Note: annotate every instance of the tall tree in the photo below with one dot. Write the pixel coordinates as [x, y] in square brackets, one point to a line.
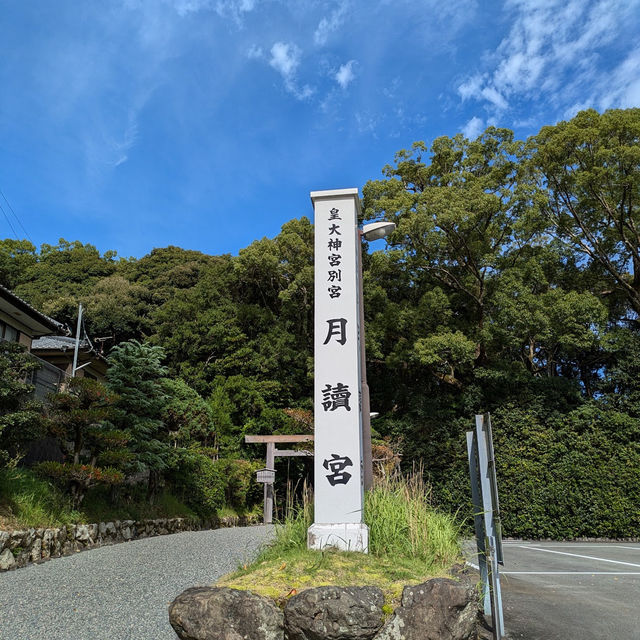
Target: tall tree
[458, 218]
[135, 374]
[588, 170]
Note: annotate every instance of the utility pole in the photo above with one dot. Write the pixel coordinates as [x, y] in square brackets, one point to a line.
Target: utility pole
[75, 351]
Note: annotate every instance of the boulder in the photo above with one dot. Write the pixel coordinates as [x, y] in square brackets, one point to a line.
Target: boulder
[48, 537]
[82, 534]
[4, 539]
[29, 537]
[17, 539]
[439, 609]
[35, 553]
[219, 613]
[334, 613]
[6, 560]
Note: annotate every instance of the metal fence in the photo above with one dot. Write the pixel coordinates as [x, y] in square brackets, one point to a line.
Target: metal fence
[47, 379]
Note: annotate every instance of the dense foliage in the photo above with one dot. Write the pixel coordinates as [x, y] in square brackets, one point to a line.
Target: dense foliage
[20, 415]
[511, 285]
[79, 418]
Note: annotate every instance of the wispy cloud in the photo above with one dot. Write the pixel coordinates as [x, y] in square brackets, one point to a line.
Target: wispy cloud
[330, 24]
[255, 52]
[225, 8]
[473, 128]
[345, 74]
[552, 50]
[285, 59]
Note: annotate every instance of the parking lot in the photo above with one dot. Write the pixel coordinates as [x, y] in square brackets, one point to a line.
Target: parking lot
[571, 590]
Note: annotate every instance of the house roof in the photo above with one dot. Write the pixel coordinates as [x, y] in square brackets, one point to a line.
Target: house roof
[58, 343]
[37, 323]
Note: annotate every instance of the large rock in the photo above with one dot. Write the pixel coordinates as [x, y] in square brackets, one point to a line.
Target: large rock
[6, 560]
[440, 609]
[4, 539]
[219, 613]
[334, 613]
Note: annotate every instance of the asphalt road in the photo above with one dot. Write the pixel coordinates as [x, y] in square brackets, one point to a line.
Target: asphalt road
[571, 591]
[120, 592]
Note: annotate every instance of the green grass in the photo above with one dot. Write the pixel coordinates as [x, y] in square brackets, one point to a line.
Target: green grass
[231, 512]
[409, 542]
[26, 501]
[29, 501]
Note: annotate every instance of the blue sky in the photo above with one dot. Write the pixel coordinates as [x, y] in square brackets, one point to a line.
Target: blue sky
[134, 124]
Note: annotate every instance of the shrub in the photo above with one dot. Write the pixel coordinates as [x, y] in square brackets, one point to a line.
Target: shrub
[76, 479]
[559, 476]
[241, 491]
[197, 481]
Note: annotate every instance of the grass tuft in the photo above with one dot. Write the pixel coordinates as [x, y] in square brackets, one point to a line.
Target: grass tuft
[409, 542]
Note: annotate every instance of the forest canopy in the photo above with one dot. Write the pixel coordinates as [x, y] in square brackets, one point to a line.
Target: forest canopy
[511, 285]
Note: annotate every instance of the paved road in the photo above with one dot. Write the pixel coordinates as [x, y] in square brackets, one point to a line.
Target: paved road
[120, 592]
[571, 591]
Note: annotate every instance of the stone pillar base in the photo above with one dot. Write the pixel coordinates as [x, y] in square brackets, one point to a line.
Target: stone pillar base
[350, 536]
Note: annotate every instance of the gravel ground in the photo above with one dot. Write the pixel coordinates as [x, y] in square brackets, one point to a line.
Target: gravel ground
[120, 592]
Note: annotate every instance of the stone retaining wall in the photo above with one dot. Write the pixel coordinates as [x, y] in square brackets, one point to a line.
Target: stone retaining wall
[19, 548]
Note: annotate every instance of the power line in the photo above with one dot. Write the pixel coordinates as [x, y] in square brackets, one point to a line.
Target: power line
[26, 233]
[6, 217]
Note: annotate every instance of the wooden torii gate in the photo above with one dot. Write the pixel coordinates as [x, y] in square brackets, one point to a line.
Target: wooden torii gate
[272, 452]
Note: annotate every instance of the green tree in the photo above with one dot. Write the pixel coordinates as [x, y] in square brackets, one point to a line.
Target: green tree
[79, 418]
[136, 375]
[20, 416]
[16, 258]
[62, 275]
[457, 217]
[188, 418]
[588, 172]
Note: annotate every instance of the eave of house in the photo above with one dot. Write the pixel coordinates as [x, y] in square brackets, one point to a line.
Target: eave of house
[25, 318]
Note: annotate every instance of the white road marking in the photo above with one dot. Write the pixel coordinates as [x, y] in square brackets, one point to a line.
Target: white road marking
[577, 555]
[572, 573]
[573, 544]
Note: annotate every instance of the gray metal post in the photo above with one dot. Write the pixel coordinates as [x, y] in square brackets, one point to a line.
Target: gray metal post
[478, 519]
[493, 483]
[268, 487]
[485, 483]
[75, 351]
[497, 616]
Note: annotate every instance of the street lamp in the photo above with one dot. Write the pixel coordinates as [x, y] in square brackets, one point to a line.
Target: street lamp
[369, 232]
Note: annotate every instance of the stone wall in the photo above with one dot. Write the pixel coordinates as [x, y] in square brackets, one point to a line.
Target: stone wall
[19, 548]
[439, 609]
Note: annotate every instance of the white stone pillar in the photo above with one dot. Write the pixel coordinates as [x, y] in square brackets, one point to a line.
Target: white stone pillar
[338, 473]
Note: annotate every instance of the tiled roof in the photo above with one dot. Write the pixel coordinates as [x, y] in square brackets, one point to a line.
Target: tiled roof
[54, 325]
[62, 343]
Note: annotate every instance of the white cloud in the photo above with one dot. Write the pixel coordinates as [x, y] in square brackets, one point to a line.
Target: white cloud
[473, 128]
[623, 88]
[330, 24]
[255, 52]
[554, 52]
[471, 87]
[345, 75]
[233, 8]
[285, 59]
[494, 97]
